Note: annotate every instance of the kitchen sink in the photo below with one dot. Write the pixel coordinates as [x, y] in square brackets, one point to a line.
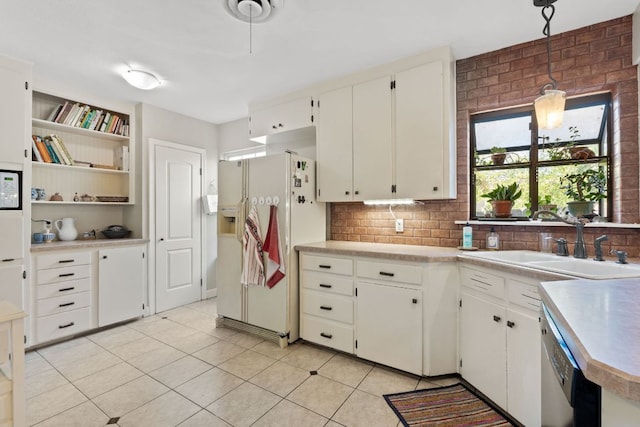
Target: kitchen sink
[588, 268]
[585, 268]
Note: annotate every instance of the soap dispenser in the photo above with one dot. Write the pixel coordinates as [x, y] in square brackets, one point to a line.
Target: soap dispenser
[493, 240]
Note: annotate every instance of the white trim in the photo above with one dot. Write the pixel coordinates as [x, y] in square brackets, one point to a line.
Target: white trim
[153, 144]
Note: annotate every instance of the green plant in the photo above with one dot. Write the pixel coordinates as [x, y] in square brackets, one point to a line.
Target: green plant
[588, 185]
[509, 192]
[559, 150]
[497, 150]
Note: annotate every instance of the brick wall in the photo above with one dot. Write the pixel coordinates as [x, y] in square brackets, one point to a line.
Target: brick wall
[591, 59]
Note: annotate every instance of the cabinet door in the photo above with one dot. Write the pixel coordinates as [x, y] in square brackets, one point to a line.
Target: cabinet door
[420, 134]
[372, 140]
[11, 284]
[483, 347]
[120, 284]
[13, 110]
[523, 367]
[334, 146]
[389, 325]
[290, 115]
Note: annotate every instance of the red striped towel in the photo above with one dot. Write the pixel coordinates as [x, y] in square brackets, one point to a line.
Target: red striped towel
[273, 248]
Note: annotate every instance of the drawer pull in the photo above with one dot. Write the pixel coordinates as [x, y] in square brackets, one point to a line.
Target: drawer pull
[66, 275]
[66, 289]
[414, 300]
[8, 259]
[324, 266]
[64, 261]
[323, 285]
[510, 324]
[68, 325]
[326, 307]
[384, 273]
[329, 336]
[67, 304]
[496, 318]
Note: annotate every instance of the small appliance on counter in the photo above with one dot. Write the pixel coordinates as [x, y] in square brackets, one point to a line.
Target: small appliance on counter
[116, 232]
[45, 236]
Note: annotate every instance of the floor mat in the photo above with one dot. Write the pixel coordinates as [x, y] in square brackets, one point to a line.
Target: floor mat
[446, 406]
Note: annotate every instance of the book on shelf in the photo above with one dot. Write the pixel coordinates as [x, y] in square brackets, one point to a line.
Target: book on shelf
[60, 149]
[42, 149]
[94, 120]
[52, 151]
[73, 112]
[105, 122]
[64, 112]
[36, 152]
[82, 163]
[54, 113]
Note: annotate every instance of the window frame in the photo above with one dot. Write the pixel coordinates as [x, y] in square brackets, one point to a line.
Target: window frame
[534, 163]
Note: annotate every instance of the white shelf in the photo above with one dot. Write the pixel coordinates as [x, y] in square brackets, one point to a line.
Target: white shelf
[71, 202]
[78, 168]
[78, 131]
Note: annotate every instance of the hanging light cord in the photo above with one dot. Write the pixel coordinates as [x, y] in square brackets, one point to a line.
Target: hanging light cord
[547, 32]
[251, 31]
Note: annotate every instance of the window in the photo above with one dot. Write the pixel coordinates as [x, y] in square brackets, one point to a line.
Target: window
[248, 153]
[507, 146]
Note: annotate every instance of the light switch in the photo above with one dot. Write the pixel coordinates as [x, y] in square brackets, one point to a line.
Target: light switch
[399, 225]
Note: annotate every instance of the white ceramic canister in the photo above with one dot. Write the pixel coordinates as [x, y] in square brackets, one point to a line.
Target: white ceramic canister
[66, 231]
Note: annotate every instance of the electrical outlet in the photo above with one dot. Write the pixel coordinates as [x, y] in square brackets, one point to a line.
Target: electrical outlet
[399, 225]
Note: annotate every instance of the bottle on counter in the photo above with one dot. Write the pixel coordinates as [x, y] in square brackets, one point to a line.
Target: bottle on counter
[467, 236]
[493, 240]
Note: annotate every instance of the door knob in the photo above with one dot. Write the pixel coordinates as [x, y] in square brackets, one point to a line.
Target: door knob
[162, 239]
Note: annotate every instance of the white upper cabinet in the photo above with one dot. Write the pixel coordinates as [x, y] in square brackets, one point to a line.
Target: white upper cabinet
[15, 86]
[422, 144]
[391, 136]
[372, 139]
[283, 117]
[334, 150]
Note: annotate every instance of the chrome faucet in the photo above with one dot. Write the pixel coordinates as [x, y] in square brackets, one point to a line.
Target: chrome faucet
[597, 242]
[579, 248]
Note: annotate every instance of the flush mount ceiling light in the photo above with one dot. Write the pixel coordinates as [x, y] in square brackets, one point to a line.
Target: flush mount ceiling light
[141, 79]
[550, 106]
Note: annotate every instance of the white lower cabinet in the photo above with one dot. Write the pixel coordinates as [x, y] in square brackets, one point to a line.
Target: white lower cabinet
[75, 291]
[389, 325]
[500, 340]
[120, 280]
[391, 312]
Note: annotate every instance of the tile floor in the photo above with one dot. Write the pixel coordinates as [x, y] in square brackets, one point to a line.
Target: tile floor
[177, 369]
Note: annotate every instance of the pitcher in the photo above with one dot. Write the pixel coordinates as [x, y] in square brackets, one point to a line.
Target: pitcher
[68, 229]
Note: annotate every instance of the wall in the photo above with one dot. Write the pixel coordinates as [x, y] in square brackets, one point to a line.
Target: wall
[590, 59]
[165, 125]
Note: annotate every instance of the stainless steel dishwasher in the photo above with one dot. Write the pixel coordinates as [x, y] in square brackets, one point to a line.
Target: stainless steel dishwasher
[568, 398]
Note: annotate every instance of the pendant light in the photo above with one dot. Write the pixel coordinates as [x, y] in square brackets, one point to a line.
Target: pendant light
[549, 106]
[253, 11]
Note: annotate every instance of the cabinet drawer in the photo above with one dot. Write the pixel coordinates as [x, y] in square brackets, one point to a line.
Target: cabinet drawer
[328, 306]
[62, 260]
[524, 294]
[327, 333]
[329, 283]
[481, 281]
[390, 272]
[63, 288]
[55, 275]
[60, 304]
[60, 325]
[327, 264]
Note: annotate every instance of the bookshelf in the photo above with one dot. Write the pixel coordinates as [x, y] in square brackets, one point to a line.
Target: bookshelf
[94, 169]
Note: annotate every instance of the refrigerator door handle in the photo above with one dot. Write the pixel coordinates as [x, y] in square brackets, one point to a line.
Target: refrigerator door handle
[240, 219]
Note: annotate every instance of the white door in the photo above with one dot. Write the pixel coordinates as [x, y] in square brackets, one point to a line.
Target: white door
[178, 234]
[120, 284]
[389, 318]
[230, 229]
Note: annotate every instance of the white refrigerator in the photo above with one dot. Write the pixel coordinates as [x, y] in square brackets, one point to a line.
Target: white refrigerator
[288, 181]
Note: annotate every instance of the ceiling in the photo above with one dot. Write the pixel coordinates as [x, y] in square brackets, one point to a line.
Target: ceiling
[201, 53]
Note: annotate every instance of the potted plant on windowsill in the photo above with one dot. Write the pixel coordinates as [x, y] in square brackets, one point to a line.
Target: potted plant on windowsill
[498, 155]
[502, 198]
[584, 189]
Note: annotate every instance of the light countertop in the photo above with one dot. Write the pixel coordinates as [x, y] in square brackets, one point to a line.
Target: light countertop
[84, 244]
[600, 322]
[383, 250]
